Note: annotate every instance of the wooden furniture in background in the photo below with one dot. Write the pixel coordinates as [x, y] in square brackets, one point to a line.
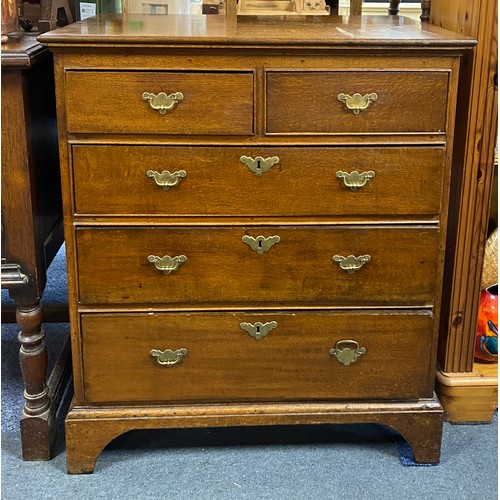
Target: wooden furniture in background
[242, 249]
[356, 8]
[31, 226]
[290, 7]
[54, 13]
[468, 390]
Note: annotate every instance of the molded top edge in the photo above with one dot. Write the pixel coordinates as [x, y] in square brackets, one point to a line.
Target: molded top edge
[214, 30]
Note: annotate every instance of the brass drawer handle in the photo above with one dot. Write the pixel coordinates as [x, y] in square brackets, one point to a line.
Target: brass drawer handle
[166, 263]
[351, 263]
[347, 351]
[166, 180]
[260, 244]
[258, 330]
[313, 5]
[355, 180]
[259, 165]
[168, 357]
[163, 102]
[357, 102]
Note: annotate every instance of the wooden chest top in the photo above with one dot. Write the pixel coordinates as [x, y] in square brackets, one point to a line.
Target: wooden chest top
[211, 31]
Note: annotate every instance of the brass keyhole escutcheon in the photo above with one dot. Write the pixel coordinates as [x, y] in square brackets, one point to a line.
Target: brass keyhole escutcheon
[261, 244]
[258, 330]
[259, 165]
[347, 351]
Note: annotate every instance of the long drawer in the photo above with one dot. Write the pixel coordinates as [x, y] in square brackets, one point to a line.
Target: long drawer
[257, 265]
[321, 102]
[224, 181]
[214, 357]
[122, 102]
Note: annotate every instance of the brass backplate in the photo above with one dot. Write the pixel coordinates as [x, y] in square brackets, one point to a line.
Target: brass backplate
[258, 330]
[260, 244]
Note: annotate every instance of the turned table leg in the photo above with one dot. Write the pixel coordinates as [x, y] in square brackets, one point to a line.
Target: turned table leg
[426, 11]
[394, 7]
[425, 6]
[37, 421]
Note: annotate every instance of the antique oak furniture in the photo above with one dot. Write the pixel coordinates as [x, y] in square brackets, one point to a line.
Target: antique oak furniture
[255, 214]
[32, 230]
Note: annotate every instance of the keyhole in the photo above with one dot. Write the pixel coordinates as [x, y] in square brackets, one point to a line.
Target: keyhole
[257, 333]
[260, 248]
[258, 165]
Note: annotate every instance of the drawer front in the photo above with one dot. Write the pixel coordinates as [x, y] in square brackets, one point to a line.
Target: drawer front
[218, 360]
[112, 102]
[300, 102]
[176, 180]
[214, 266]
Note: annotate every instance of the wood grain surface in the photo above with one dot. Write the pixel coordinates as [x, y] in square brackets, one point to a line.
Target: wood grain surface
[278, 96]
[112, 180]
[223, 363]
[213, 103]
[308, 102]
[220, 268]
[209, 31]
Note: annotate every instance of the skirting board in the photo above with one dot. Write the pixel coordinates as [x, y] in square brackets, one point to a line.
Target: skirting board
[469, 397]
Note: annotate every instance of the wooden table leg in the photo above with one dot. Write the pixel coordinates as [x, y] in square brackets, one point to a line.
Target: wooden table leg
[425, 5]
[31, 223]
[394, 7]
[426, 11]
[37, 421]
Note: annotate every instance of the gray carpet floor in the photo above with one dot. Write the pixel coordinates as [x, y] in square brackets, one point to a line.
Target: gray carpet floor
[297, 462]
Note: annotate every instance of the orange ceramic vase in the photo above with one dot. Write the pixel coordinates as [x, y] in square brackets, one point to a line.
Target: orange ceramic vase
[487, 325]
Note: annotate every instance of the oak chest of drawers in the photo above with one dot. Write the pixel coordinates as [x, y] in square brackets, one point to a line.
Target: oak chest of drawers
[255, 221]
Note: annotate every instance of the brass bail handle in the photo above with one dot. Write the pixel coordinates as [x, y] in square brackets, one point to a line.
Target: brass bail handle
[312, 5]
[167, 264]
[347, 351]
[166, 180]
[357, 102]
[168, 357]
[163, 102]
[355, 180]
[351, 263]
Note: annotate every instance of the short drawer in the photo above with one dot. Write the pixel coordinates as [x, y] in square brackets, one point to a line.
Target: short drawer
[241, 266]
[225, 181]
[114, 102]
[316, 102]
[296, 356]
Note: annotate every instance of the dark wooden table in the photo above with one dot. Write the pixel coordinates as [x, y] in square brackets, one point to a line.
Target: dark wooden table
[31, 226]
